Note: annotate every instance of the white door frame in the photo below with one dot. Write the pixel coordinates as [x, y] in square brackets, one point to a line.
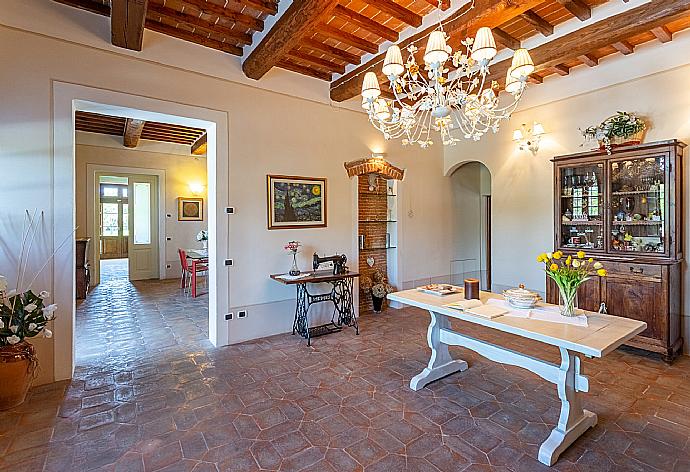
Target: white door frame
[93, 172]
[67, 99]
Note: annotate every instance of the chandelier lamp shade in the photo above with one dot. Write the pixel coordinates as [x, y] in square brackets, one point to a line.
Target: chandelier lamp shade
[428, 98]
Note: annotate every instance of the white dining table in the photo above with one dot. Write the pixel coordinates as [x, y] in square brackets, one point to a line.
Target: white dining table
[603, 334]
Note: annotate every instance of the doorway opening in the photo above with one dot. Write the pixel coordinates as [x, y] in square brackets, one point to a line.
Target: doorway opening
[142, 201]
[113, 228]
[471, 184]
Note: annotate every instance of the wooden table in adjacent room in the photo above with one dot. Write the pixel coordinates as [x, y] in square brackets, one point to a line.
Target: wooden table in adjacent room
[341, 295]
[603, 334]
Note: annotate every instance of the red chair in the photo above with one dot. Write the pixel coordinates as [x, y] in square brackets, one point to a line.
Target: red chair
[189, 273]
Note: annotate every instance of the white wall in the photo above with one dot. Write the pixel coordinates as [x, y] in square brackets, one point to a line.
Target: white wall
[269, 133]
[522, 184]
[180, 170]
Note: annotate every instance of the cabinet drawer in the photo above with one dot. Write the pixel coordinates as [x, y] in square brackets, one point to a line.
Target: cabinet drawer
[633, 270]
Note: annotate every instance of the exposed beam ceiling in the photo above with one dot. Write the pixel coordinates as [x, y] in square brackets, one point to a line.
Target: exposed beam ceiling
[133, 129]
[588, 60]
[505, 39]
[578, 8]
[663, 34]
[197, 22]
[298, 20]
[127, 19]
[366, 23]
[624, 47]
[600, 34]
[396, 11]
[462, 23]
[226, 14]
[200, 145]
[348, 38]
[539, 23]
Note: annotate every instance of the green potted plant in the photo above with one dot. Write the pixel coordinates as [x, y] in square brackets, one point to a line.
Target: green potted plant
[378, 287]
[621, 129]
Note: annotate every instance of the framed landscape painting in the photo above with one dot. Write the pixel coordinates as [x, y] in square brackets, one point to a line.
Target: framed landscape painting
[296, 202]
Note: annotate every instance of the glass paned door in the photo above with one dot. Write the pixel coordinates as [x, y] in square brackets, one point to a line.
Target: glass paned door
[143, 217]
[113, 221]
[582, 206]
[639, 205]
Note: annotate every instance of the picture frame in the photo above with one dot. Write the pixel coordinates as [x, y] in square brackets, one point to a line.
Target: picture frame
[190, 209]
[295, 202]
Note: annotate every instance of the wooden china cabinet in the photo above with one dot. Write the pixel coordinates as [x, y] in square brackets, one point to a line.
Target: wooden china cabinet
[626, 210]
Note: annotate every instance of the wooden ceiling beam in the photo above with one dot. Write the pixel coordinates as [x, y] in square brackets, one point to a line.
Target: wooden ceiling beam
[539, 23]
[223, 13]
[461, 24]
[624, 47]
[663, 34]
[366, 23]
[535, 79]
[600, 34]
[317, 61]
[505, 39]
[589, 60]
[263, 6]
[348, 38]
[91, 128]
[396, 11]
[286, 34]
[197, 22]
[578, 8]
[133, 129]
[445, 4]
[337, 53]
[193, 38]
[561, 69]
[200, 146]
[127, 19]
[294, 67]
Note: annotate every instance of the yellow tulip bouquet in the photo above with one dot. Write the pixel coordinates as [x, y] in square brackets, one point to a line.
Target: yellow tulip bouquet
[569, 273]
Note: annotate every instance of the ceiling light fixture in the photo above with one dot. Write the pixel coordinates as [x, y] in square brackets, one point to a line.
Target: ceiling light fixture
[425, 99]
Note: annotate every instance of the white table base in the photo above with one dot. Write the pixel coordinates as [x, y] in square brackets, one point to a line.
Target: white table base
[573, 420]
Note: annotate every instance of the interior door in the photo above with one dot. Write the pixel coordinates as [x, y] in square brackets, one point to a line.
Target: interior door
[113, 221]
[143, 227]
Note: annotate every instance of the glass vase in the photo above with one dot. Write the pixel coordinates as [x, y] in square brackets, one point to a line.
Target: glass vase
[567, 302]
[294, 270]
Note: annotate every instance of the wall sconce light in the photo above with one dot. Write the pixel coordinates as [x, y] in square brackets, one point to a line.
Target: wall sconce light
[197, 188]
[379, 160]
[529, 139]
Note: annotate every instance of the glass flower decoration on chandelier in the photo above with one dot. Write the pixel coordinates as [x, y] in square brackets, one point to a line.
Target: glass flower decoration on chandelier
[426, 98]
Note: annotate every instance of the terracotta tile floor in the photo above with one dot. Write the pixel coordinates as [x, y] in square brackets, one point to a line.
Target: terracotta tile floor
[150, 393]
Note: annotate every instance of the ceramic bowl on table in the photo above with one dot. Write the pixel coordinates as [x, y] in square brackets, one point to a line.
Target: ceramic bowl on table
[521, 298]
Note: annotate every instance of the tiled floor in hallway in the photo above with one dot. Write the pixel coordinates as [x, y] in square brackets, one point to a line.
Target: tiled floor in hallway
[151, 393]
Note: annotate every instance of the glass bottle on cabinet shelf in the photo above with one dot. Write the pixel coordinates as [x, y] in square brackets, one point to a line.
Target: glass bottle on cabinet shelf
[582, 203]
[638, 205]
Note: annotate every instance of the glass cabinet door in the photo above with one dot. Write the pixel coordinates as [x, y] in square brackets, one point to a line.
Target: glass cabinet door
[582, 206]
[639, 205]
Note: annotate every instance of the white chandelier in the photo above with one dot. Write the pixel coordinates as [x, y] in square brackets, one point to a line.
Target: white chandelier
[428, 100]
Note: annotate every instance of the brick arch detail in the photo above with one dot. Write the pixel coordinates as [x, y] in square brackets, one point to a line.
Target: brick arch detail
[374, 165]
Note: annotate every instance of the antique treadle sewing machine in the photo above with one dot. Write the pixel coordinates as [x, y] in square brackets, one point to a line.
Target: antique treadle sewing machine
[341, 295]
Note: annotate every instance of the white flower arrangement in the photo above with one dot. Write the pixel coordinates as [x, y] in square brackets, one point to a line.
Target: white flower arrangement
[23, 314]
[202, 235]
